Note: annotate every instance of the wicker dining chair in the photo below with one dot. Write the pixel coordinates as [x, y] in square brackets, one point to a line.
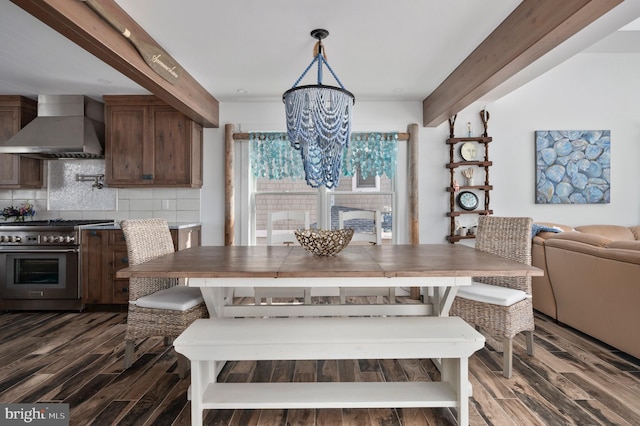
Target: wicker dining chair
[500, 307]
[157, 306]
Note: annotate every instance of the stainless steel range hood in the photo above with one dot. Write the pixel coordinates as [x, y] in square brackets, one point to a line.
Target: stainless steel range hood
[67, 126]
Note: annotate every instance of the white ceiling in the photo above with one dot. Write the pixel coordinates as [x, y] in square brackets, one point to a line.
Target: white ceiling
[380, 49]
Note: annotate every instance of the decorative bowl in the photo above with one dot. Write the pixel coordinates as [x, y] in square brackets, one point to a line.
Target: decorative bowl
[323, 242]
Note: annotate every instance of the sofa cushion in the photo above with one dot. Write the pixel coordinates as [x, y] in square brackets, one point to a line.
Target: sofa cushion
[177, 298]
[621, 251]
[626, 245]
[612, 232]
[580, 237]
[493, 294]
[636, 231]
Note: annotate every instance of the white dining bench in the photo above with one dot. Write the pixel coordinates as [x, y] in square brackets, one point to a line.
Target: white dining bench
[238, 339]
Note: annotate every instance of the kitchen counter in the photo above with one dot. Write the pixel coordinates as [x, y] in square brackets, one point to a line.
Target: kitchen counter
[104, 252]
[172, 225]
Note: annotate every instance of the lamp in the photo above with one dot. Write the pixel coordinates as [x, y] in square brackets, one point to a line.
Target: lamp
[319, 122]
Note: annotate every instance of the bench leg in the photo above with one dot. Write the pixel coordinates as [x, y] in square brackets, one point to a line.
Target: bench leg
[455, 371]
[183, 366]
[201, 376]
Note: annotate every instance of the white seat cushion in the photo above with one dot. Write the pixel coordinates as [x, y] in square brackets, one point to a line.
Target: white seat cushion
[493, 294]
[178, 298]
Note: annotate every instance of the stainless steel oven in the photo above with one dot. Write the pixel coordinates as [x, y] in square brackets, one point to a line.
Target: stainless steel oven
[40, 265]
[40, 274]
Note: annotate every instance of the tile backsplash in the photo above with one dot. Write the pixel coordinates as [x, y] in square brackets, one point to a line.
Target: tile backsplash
[66, 192]
[65, 198]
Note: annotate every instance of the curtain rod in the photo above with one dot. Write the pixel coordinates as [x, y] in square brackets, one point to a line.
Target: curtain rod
[245, 136]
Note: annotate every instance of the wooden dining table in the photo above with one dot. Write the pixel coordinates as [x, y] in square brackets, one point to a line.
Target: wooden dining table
[438, 269]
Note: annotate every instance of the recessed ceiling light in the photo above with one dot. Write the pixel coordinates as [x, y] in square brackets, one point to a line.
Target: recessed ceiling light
[243, 91]
[398, 90]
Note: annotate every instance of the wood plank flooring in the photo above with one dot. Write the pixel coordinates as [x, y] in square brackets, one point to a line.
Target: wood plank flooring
[76, 358]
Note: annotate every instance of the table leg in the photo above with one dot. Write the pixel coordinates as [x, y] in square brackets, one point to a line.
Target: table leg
[435, 299]
[446, 300]
[214, 298]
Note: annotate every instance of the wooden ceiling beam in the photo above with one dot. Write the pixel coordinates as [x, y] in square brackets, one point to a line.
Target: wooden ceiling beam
[76, 21]
[534, 28]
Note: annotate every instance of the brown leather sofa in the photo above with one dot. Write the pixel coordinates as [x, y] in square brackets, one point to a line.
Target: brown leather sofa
[591, 281]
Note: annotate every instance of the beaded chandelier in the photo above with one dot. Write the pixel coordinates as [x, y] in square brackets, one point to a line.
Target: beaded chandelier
[319, 122]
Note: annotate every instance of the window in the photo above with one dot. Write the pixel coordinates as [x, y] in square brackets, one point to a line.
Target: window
[257, 196]
[362, 184]
[272, 196]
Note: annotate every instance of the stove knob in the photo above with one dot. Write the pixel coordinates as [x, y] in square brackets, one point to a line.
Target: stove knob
[45, 238]
[71, 239]
[17, 239]
[1, 238]
[9, 238]
[61, 239]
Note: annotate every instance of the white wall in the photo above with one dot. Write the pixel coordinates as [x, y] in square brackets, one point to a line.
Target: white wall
[589, 91]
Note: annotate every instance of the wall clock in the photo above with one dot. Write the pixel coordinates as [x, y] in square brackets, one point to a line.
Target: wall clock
[468, 151]
[467, 200]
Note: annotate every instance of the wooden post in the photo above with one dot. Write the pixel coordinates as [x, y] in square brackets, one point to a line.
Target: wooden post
[412, 165]
[229, 189]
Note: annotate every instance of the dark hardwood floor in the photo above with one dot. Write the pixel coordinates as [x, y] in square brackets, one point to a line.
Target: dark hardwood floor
[76, 358]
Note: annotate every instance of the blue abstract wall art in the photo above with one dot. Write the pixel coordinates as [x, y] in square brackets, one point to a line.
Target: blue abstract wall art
[573, 166]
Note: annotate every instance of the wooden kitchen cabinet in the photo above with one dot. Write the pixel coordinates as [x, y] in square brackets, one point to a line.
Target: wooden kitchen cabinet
[149, 143]
[117, 258]
[18, 172]
[93, 267]
[104, 252]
